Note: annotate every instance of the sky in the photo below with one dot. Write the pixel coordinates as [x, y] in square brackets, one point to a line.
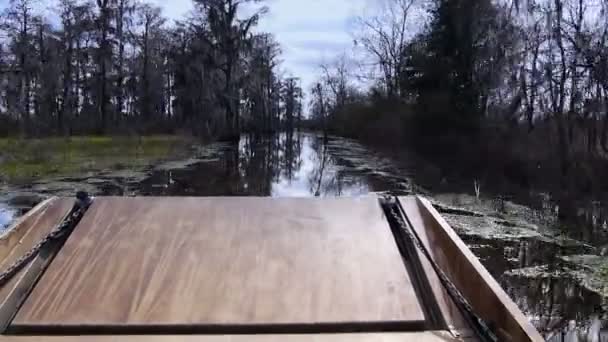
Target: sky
[310, 31]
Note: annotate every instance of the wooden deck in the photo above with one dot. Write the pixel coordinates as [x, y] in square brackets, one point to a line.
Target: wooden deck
[247, 269]
[225, 261]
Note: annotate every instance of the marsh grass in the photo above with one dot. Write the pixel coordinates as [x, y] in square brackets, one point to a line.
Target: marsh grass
[25, 160]
[604, 272]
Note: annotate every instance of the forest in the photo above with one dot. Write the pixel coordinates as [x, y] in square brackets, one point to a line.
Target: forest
[513, 94]
[119, 67]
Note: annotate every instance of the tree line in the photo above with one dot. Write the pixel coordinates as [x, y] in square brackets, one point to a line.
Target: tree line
[119, 67]
[520, 86]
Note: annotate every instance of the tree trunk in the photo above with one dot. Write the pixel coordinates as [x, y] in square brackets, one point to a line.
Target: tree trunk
[563, 145]
[25, 79]
[604, 136]
[67, 79]
[121, 53]
[79, 91]
[229, 96]
[104, 56]
[145, 78]
[591, 135]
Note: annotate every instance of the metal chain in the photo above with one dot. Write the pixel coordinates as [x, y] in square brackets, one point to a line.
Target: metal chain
[456, 295]
[73, 217]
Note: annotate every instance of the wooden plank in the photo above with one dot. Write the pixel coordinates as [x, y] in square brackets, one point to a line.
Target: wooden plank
[225, 261]
[26, 283]
[428, 336]
[468, 274]
[449, 310]
[32, 227]
[27, 232]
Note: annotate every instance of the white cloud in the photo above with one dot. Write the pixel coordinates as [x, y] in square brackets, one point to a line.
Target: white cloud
[309, 32]
[174, 9]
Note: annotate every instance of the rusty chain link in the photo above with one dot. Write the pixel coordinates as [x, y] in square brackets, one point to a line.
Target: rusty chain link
[82, 204]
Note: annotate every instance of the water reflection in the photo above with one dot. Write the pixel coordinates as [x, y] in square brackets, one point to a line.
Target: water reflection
[536, 273]
[583, 219]
[285, 165]
[6, 216]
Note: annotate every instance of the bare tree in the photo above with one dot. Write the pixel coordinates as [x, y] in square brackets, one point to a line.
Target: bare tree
[123, 24]
[385, 37]
[228, 35]
[336, 78]
[104, 57]
[113, 65]
[260, 82]
[291, 95]
[150, 21]
[20, 26]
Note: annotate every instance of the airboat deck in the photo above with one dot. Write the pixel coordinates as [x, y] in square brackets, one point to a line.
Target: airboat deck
[247, 269]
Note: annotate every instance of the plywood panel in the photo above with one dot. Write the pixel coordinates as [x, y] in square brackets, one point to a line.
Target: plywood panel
[225, 261]
[429, 336]
[468, 274]
[26, 233]
[448, 309]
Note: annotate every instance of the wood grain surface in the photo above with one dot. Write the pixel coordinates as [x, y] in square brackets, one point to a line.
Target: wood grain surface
[225, 261]
[466, 271]
[450, 312]
[27, 232]
[32, 226]
[428, 336]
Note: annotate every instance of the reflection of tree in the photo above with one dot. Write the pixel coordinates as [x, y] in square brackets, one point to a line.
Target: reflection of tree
[584, 220]
[323, 180]
[292, 153]
[260, 160]
[231, 161]
[544, 287]
[554, 301]
[256, 165]
[317, 174]
[543, 284]
[590, 223]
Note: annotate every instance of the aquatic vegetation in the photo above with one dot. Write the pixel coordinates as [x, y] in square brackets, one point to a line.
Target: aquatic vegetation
[603, 276]
[592, 270]
[22, 161]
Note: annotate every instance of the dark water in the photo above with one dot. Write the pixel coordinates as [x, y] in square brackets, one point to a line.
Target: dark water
[552, 269]
[298, 165]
